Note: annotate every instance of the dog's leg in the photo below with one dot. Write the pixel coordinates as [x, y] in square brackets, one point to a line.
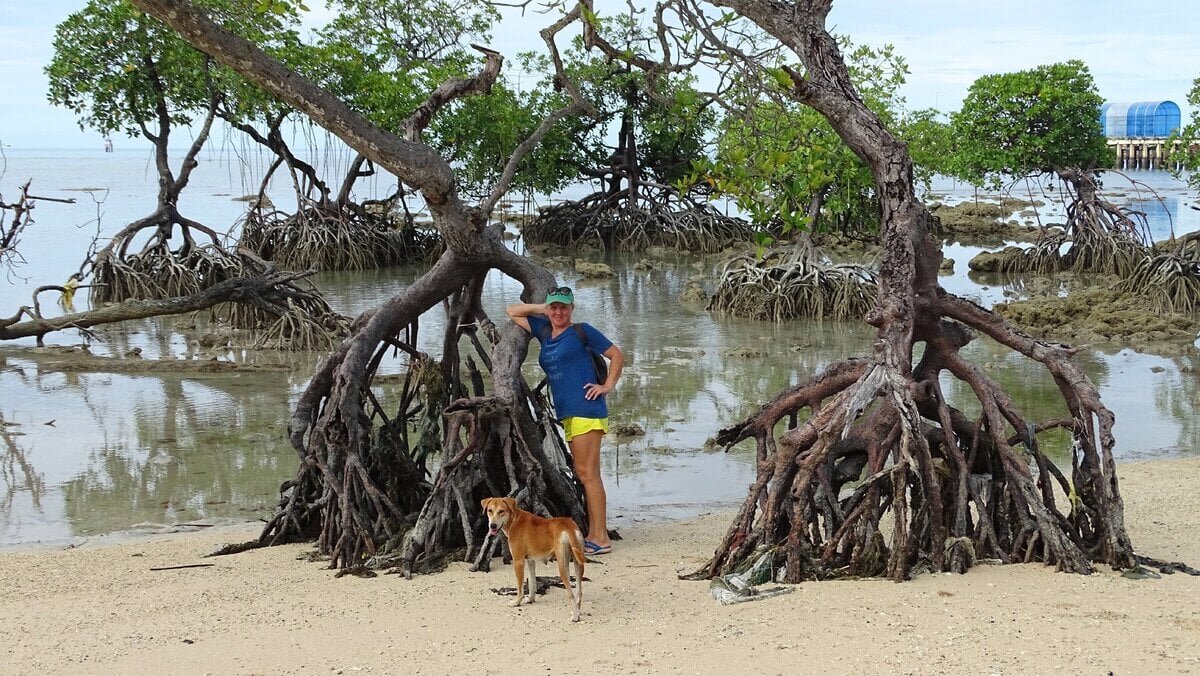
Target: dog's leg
[564, 558]
[577, 551]
[578, 557]
[532, 578]
[519, 569]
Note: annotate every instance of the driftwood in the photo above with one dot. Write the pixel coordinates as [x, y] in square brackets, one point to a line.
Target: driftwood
[272, 293]
[183, 566]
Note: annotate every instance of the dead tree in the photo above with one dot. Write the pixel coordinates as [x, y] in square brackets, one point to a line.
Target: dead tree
[361, 489]
[294, 315]
[10, 231]
[884, 475]
[22, 217]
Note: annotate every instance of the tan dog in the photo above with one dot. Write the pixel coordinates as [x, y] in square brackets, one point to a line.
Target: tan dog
[530, 538]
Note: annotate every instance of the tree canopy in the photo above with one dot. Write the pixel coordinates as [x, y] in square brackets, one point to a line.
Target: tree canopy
[1034, 121]
[120, 69]
[1188, 139]
[783, 163]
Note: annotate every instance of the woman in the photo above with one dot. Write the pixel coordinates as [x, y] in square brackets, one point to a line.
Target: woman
[578, 397]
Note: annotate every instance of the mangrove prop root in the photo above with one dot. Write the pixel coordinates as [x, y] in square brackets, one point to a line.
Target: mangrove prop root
[779, 288]
[933, 491]
[363, 490]
[325, 239]
[1098, 237]
[925, 495]
[625, 227]
[1170, 281]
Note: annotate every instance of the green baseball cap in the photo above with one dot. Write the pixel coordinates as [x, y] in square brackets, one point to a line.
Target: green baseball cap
[560, 294]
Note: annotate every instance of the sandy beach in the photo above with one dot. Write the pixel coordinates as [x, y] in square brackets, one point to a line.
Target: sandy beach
[101, 609]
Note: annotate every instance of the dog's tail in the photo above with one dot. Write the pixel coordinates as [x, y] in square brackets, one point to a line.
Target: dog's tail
[571, 548]
[573, 541]
[576, 542]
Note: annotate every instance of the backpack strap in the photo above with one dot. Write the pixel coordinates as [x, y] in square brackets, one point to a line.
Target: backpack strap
[598, 366]
[582, 336]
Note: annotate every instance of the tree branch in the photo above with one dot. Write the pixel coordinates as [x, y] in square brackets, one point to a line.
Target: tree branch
[239, 289]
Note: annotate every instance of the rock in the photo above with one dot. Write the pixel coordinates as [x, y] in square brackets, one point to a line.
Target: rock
[1100, 314]
[627, 430]
[213, 340]
[745, 353]
[255, 203]
[982, 222]
[593, 270]
[693, 295]
[990, 261]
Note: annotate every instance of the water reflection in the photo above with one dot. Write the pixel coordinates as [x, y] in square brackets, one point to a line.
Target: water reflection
[1177, 394]
[203, 450]
[22, 484]
[128, 449]
[106, 452]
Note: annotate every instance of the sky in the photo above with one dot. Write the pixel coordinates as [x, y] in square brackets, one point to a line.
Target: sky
[1135, 51]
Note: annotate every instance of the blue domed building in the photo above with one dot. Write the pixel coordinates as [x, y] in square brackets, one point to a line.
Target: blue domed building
[1136, 131]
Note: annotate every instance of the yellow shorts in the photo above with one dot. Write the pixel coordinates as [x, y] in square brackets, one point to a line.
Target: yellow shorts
[574, 426]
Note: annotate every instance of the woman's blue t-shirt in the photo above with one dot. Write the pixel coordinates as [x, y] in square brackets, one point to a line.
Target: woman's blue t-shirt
[568, 367]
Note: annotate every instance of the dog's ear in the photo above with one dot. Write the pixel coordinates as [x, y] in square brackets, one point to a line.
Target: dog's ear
[483, 502]
[511, 503]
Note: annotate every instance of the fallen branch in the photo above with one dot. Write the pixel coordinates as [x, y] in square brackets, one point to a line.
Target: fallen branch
[259, 290]
[186, 565]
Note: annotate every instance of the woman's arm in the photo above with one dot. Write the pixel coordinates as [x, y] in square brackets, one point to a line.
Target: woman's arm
[616, 360]
[521, 311]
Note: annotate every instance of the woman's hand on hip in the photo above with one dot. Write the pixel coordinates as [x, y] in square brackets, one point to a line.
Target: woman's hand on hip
[593, 391]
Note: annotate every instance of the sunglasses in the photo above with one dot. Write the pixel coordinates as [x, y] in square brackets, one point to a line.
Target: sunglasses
[560, 289]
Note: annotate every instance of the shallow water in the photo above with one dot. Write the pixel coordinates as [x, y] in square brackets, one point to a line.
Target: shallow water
[82, 454]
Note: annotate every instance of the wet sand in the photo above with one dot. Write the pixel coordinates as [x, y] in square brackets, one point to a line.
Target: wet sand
[103, 610]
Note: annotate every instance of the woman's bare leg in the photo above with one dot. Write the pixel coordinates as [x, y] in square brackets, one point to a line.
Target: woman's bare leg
[585, 448]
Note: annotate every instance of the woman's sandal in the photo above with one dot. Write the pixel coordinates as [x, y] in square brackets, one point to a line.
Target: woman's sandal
[594, 549]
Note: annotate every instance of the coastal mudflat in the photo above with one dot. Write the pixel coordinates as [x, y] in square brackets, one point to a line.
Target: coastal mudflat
[102, 609]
